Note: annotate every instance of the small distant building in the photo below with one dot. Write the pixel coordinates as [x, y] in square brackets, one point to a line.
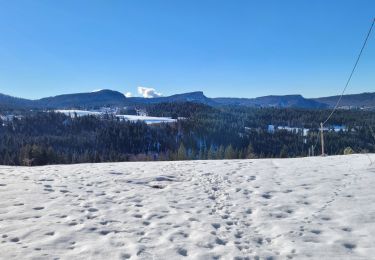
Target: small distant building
[338, 128]
[271, 129]
[141, 112]
[7, 117]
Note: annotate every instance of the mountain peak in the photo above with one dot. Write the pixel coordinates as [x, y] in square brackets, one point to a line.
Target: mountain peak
[107, 91]
[105, 97]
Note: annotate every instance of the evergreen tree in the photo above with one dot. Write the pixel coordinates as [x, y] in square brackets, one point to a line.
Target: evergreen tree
[250, 152]
[220, 152]
[230, 153]
[284, 152]
[211, 153]
[181, 153]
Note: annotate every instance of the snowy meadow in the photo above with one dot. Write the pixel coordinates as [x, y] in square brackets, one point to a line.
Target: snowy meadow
[306, 208]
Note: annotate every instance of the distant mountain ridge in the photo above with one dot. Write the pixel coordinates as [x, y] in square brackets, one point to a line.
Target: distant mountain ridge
[196, 96]
[296, 101]
[14, 102]
[108, 97]
[363, 100]
[98, 98]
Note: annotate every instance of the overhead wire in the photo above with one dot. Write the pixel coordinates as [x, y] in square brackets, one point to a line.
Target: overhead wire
[352, 72]
[348, 80]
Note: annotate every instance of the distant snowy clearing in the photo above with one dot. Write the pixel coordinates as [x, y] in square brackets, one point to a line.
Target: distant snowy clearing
[75, 112]
[147, 119]
[133, 118]
[309, 208]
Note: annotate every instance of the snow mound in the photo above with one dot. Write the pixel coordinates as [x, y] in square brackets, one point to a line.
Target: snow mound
[317, 208]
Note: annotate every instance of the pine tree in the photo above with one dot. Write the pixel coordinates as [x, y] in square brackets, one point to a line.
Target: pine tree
[230, 153]
[284, 152]
[181, 153]
[240, 154]
[220, 152]
[250, 152]
[211, 153]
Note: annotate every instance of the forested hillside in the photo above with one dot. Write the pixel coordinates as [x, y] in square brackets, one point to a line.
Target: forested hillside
[106, 97]
[202, 132]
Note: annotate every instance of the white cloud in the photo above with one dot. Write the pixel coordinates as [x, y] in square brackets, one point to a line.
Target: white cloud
[148, 92]
[128, 94]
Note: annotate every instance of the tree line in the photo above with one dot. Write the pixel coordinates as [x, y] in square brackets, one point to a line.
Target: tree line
[41, 138]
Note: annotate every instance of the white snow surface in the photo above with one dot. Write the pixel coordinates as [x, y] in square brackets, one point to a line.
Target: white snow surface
[73, 112]
[147, 119]
[134, 118]
[307, 208]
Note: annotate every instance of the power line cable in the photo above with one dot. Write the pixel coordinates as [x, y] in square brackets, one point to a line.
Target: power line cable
[348, 81]
[352, 72]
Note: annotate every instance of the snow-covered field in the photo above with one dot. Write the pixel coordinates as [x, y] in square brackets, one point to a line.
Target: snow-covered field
[75, 112]
[133, 118]
[147, 119]
[318, 208]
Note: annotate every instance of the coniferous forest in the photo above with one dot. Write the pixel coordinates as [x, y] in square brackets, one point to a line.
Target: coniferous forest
[201, 132]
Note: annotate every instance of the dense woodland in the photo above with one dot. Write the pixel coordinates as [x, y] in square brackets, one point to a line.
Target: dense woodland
[202, 132]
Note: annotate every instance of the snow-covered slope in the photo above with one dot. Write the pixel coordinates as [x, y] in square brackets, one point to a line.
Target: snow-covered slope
[318, 208]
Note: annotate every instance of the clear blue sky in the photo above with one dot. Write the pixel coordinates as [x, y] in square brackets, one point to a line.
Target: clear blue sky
[225, 48]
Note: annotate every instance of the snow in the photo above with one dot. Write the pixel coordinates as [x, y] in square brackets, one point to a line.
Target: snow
[147, 119]
[73, 112]
[294, 129]
[316, 208]
[305, 131]
[133, 118]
